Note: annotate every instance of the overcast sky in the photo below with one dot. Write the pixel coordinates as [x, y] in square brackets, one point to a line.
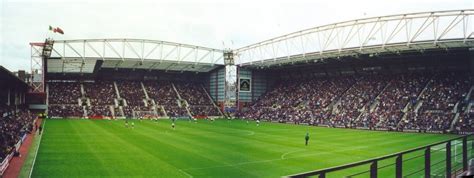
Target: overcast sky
[209, 23]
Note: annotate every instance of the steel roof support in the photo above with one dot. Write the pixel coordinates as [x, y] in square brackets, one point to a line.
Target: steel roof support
[367, 33]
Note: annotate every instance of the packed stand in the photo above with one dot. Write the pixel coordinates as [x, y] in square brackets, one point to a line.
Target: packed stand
[64, 92]
[437, 110]
[372, 101]
[65, 111]
[164, 95]
[204, 111]
[12, 127]
[176, 111]
[133, 93]
[300, 101]
[465, 122]
[100, 92]
[63, 99]
[193, 93]
[99, 111]
[357, 98]
[285, 94]
[101, 95]
[401, 91]
[197, 98]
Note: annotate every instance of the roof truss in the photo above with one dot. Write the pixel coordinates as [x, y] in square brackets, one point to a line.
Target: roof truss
[363, 35]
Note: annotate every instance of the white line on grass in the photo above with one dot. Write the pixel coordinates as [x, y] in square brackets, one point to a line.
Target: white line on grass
[279, 159]
[250, 132]
[290, 152]
[36, 153]
[189, 175]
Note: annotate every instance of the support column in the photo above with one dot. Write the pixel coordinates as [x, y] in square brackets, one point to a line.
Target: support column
[399, 167]
[428, 162]
[237, 96]
[448, 159]
[322, 175]
[373, 170]
[8, 97]
[464, 154]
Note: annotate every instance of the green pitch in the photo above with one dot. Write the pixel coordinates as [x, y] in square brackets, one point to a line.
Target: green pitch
[101, 148]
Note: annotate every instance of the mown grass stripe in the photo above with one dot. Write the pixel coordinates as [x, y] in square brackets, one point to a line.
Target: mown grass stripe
[211, 149]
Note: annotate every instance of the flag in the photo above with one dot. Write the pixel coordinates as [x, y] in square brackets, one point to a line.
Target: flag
[59, 30]
[56, 30]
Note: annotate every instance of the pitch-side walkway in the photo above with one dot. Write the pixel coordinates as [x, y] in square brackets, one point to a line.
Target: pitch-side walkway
[13, 170]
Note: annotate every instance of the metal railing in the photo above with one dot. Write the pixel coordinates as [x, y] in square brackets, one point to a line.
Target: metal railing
[433, 157]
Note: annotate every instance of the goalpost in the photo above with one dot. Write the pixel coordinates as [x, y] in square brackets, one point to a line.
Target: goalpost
[457, 145]
[456, 148]
[456, 156]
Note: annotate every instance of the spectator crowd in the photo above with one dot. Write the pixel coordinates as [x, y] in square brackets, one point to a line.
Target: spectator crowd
[164, 95]
[407, 101]
[199, 102]
[13, 124]
[413, 101]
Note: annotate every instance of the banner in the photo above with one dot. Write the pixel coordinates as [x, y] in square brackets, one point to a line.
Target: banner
[245, 85]
[200, 116]
[18, 144]
[5, 163]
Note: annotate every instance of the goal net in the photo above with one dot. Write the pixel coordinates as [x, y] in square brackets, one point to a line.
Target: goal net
[145, 115]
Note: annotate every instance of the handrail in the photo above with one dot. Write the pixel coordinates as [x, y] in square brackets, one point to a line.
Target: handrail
[363, 162]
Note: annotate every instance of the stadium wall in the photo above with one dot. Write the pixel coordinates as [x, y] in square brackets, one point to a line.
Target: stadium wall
[216, 84]
[260, 81]
[471, 60]
[244, 96]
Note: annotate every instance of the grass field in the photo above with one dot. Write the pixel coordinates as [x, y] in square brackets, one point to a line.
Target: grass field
[102, 148]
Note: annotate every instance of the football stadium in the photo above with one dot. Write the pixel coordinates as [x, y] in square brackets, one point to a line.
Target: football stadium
[382, 96]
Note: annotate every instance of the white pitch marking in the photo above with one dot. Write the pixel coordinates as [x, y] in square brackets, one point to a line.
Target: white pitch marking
[250, 132]
[39, 143]
[189, 175]
[272, 160]
[289, 152]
